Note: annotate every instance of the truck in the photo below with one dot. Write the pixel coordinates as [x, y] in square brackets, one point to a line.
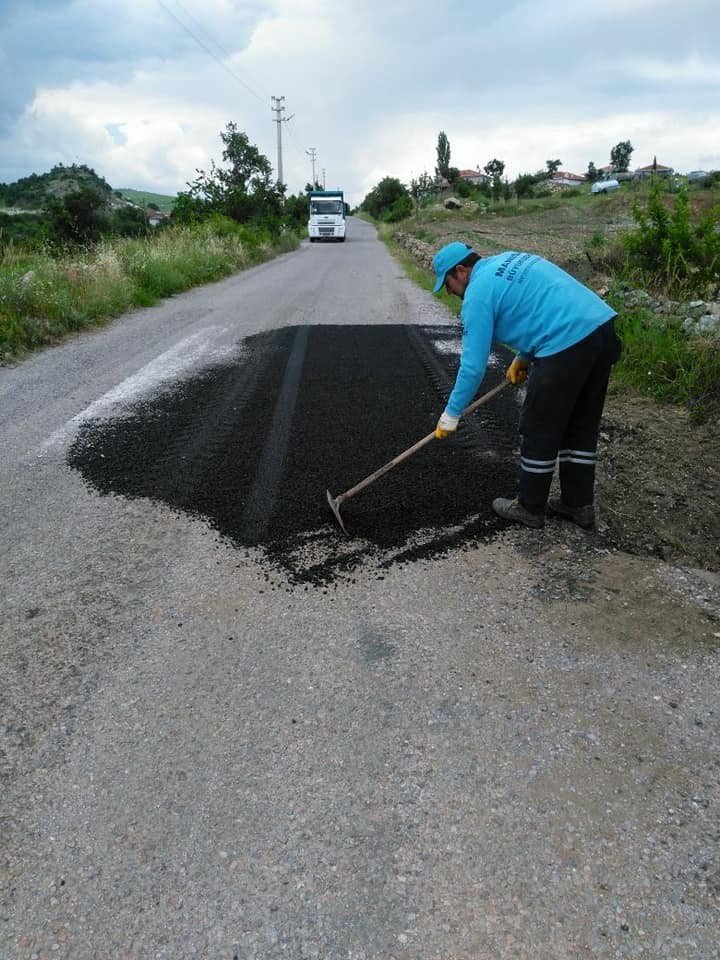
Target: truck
[605, 186]
[327, 215]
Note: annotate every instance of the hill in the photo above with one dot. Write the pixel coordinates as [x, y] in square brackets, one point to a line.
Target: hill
[143, 198]
[32, 193]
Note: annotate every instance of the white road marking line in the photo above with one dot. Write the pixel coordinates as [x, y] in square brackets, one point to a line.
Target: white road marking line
[169, 366]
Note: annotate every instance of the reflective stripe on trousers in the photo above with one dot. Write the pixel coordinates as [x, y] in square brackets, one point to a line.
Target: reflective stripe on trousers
[560, 419]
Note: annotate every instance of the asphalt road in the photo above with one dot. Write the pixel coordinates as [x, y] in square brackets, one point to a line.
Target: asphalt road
[506, 751]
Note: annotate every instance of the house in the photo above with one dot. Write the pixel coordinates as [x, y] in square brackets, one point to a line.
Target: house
[475, 177]
[156, 217]
[654, 168]
[562, 178]
[608, 172]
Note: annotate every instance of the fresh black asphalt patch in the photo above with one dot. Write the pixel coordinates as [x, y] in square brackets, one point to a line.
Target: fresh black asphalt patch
[252, 445]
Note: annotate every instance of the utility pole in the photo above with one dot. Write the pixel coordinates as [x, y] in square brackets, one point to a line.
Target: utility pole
[279, 109]
[311, 153]
[323, 178]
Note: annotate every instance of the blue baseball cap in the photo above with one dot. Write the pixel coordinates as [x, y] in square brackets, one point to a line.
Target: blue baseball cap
[446, 258]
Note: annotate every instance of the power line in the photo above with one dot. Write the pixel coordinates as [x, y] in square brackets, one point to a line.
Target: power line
[207, 49]
[299, 150]
[202, 29]
[211, 40]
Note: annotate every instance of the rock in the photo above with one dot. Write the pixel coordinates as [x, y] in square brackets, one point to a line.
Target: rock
[696, 308]
[452, 204]
[708, 324]
[420, 250]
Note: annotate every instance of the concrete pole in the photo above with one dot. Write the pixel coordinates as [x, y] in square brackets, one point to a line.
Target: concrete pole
[311, 153]
[279, 109]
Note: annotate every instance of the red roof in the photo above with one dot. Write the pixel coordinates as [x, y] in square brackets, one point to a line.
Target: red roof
[652, 166]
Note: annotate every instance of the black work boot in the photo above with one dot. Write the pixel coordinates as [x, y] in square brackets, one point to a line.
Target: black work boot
[515, 511]
[583, 516]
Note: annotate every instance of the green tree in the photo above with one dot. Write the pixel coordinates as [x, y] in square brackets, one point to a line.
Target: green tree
[421, 188]
[592, 173]
[495, 169]
[295, 211]
[128, 221]
[189, 209]
[620, 156]
[390, 200]
[524, 184]
[553, 166]
[462, 188]
[443, 156]
[77, 218]
[243, 190]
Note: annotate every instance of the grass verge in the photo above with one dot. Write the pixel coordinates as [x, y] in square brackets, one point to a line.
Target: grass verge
[661, 361]
[423, 278]
[44, 298]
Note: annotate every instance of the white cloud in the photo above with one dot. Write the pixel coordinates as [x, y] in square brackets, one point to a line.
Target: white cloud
[370, 85]
[70, 125]
[693, 70]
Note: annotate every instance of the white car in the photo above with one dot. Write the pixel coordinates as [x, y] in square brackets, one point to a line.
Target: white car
[604, 186]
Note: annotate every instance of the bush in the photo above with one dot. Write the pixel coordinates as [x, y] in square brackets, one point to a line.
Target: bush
[23, 228]
[79, 217]
[390, 200]
[400, 210]
[669, 250]
[127, 221]
[463, 189]
[524, 185]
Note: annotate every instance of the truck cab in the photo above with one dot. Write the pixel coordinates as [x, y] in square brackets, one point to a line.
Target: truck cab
[326, 220]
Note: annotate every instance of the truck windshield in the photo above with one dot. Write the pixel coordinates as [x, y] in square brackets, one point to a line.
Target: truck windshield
[325, 206]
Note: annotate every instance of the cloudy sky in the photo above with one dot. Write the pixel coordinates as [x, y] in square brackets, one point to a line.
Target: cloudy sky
[141, 89]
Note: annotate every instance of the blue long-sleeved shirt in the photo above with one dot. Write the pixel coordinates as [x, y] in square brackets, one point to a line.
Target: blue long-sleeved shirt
[526, 303]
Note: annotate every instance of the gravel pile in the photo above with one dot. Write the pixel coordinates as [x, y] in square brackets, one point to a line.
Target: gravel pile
[251, 447]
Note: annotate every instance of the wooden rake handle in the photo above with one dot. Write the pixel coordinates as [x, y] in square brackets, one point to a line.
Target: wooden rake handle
[415, 447]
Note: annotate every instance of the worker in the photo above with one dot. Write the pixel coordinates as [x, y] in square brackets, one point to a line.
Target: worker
[565, 343]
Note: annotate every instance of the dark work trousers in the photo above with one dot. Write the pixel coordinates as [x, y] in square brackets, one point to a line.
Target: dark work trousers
[560, 419]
